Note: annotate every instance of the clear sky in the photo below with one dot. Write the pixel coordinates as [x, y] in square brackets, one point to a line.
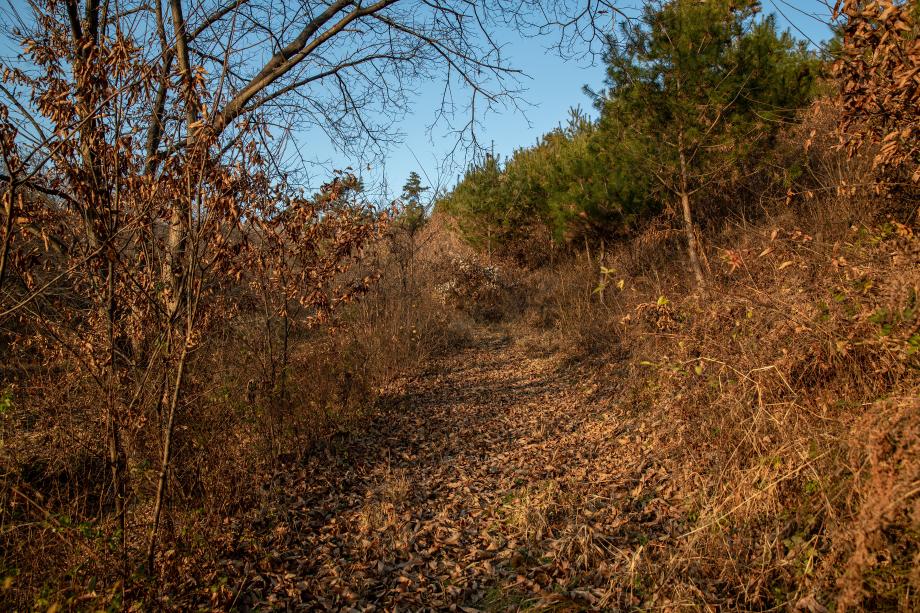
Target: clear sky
[552, 85]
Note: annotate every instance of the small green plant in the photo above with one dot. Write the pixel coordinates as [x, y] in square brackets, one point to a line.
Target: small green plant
[6, 401]
[913, 344]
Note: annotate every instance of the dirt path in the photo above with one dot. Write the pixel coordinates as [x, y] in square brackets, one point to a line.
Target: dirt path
[497, 478]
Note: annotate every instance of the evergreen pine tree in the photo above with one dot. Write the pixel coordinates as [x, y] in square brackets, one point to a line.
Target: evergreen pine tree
[694, 88]
[413, 213]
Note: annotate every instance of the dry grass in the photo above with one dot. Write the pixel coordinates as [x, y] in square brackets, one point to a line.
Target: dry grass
[787, 392]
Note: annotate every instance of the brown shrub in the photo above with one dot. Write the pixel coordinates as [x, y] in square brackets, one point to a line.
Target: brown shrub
[484, 292]
[260, 392]
[880, 549]
[879, 89]
[573, 304]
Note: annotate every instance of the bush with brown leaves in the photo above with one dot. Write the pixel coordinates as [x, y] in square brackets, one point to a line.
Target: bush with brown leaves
[879, 73]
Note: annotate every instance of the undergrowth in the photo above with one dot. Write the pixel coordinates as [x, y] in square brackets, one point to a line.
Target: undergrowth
[768, 421]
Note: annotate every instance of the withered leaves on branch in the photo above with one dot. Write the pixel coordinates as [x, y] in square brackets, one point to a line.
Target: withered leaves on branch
[119, 261]
[879, 70]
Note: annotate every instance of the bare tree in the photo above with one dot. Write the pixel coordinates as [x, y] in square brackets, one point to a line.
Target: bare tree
[140, 190]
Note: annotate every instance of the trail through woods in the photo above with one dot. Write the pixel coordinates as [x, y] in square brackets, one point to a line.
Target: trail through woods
[498, 477]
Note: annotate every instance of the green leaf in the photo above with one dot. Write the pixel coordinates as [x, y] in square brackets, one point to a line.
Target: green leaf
[6, 401]
[913, 344]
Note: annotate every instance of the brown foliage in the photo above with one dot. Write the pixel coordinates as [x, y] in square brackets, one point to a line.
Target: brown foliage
[781, 402]
[164, 373]
[120, 271]
[879, 72]
[753, 448]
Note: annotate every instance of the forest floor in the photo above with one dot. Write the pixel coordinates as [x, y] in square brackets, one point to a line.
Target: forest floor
[500, 477]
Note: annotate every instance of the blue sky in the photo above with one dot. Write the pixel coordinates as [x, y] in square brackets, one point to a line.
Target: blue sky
[553, 86]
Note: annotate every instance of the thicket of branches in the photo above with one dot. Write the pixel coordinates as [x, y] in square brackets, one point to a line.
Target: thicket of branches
[148, 225]
[163, 275]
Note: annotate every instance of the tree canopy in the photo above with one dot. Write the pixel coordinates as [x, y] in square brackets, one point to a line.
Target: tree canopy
[703, 85]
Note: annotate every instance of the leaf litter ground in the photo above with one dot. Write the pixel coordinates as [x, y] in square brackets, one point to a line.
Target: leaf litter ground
[497, 479]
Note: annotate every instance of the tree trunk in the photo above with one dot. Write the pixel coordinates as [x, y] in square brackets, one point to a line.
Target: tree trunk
[7, 228]
[180, 215]
[167, 453]
[178, 267]
[116, 456]
[692, 247]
